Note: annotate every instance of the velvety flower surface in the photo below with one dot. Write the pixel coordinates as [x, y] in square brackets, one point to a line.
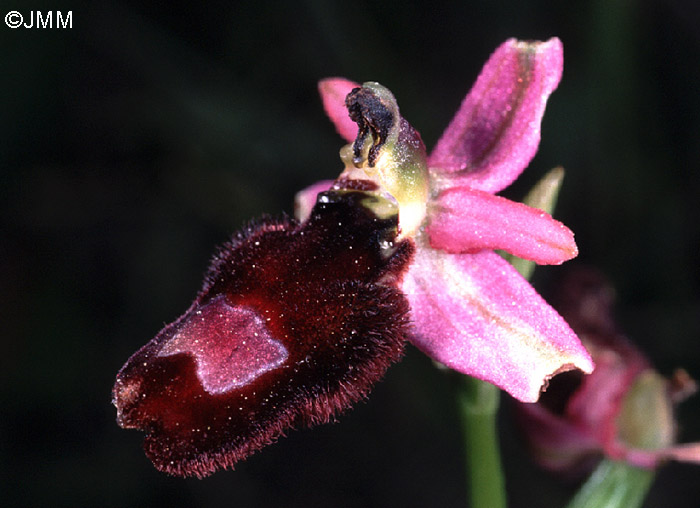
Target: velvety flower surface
[470, 310]
[623, 410]
[296, 320]
[293, 324]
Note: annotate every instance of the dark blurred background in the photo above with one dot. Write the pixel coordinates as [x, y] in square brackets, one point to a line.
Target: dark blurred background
[135, 142]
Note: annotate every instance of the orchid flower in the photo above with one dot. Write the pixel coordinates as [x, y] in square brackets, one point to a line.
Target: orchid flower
[470, 310]
[296, 320]
[624, 410]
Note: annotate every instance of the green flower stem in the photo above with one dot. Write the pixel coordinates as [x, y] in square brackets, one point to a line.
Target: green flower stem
[479, 401]
[614, 485]
[478, 404]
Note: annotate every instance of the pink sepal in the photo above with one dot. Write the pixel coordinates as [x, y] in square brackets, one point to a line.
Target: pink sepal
[466, 220]
[496, 131]
[477, 315]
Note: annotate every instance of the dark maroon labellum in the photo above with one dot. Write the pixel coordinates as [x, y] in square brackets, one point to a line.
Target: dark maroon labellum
[294, 323]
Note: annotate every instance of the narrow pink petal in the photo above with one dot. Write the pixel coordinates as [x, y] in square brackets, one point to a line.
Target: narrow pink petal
[477, 315]
[333, 92]
[305, 199]
[466, 220]
[689, 452]
[496, 131]
[650, 459]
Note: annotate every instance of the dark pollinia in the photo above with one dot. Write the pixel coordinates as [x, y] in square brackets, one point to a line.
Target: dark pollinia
[294, 323]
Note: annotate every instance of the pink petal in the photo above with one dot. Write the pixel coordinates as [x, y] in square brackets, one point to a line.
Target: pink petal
[496, 131]
[650, 459]
[689, 452]
[466, 220]
[333, 92]
[305, 199]
[477, 315]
